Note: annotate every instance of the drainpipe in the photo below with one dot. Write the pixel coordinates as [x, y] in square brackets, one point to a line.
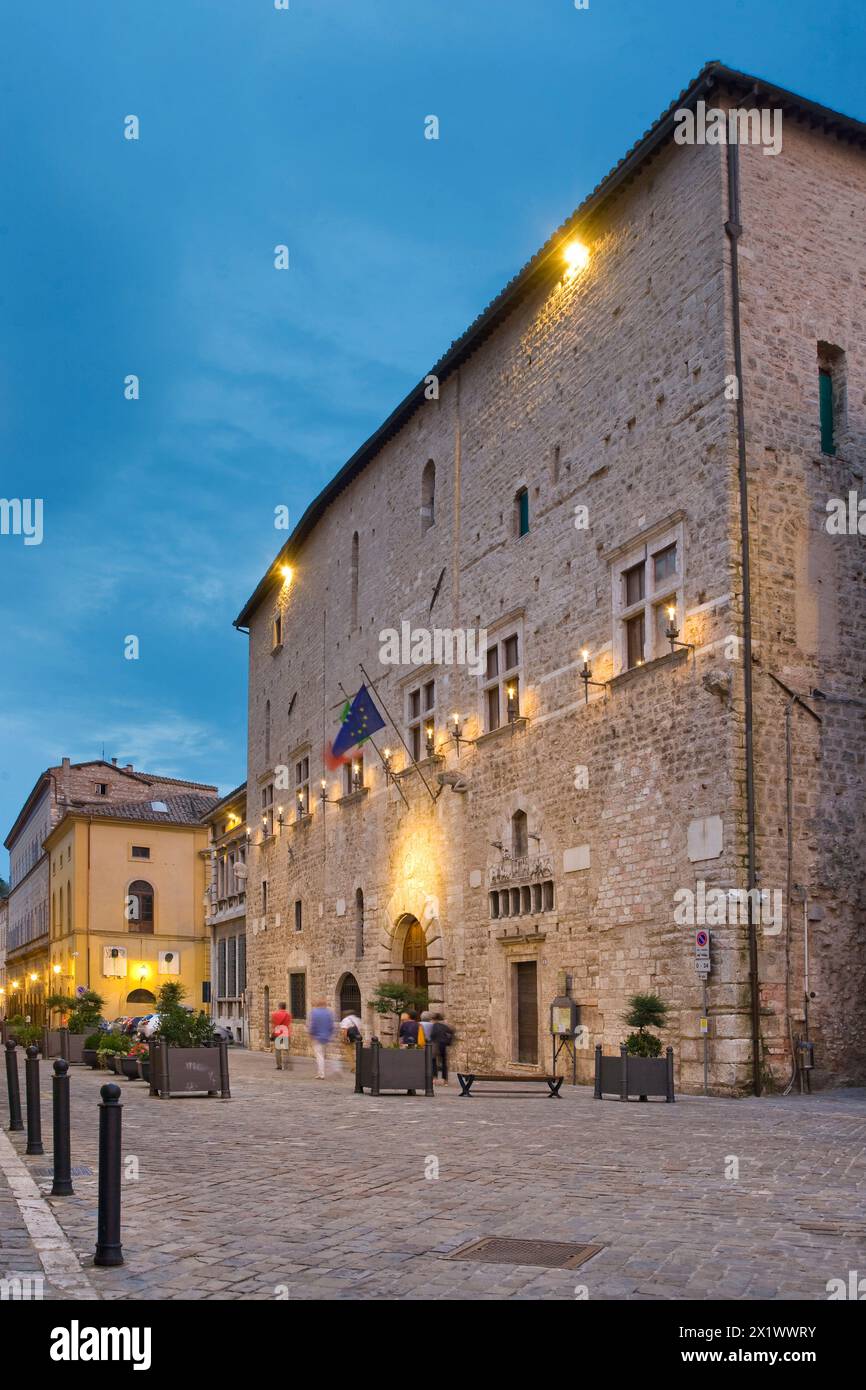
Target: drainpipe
[734, 230]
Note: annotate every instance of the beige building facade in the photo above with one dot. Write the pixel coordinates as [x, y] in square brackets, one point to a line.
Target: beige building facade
[225, 909]
[641, 716]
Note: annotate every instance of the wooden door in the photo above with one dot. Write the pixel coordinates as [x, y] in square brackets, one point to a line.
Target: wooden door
[527, 1011]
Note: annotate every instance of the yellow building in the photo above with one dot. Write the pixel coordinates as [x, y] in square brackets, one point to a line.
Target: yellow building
[127, 902]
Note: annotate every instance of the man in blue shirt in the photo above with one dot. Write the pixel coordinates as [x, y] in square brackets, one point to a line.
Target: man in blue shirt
[320, 1026]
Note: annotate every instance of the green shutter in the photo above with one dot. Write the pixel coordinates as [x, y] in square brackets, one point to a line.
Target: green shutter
[828, 440]
[523, 503]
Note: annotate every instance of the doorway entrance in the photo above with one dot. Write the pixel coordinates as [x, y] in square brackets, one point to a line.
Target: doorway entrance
[526, 990]
[415, 955]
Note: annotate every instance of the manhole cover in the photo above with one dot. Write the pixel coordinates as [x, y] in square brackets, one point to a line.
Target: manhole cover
[75, 1172]
[503, 1250]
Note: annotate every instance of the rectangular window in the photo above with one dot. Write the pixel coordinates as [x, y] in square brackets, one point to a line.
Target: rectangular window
[102, 789]
[421, 710]
[298, 995]
[353, 775]
[302, 786]
[635, 637]
[268, 810]
[278, 632]
[642, 593]
[502, 681]
[828, 421]
[264, 896]
[299, 915]
[522, 512]
[140, 852]
[231, 967]
[242, 963]
[221, 969]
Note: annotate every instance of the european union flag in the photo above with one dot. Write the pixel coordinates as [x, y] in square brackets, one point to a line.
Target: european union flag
[363, 720]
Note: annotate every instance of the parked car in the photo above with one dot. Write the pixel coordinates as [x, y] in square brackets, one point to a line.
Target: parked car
[149, 1025]
[118, 1024]
[131, 1026]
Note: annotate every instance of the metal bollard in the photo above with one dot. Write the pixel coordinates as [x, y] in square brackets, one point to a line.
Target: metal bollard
[62, 1186]
[109, 1250]
[34, 1110]
[15, 1121]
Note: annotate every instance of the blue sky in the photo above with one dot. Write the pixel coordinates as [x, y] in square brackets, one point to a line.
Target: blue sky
[155, 257]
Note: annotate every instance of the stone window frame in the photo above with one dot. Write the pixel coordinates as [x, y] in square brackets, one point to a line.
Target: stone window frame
[416, 723]
[512, 625]
[300, 764]
[355, 762]
[267, 809]
[641, 551]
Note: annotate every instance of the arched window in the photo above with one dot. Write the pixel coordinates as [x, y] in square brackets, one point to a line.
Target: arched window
[267, 731]
[521, 512]
[428, 496]
[359, 923]
[355, 567]
[349, 997]
[139, 905]
[519, 836]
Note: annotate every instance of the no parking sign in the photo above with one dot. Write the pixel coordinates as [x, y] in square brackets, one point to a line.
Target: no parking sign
[702, 951]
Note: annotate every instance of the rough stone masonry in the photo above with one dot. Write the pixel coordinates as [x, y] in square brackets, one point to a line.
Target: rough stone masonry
[566, 475]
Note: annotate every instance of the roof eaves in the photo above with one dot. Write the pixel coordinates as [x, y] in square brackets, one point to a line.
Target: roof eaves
[537, 269]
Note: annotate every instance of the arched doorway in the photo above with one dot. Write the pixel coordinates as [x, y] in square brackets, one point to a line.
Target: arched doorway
[415, 955]
[349, 997]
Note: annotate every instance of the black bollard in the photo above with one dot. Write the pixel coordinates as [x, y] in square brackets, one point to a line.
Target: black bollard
[62, 1186]
[15, 1121]
[109, 1250]
[34, 1110]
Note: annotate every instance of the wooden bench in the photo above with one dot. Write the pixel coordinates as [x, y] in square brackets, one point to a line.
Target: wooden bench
[468, 1079]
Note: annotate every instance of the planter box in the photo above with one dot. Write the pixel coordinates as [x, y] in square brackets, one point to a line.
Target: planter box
[59, 1042]
[625, 1075]
[393, 1068]
[111, 1061]
[185, 1071]
[90, 1057]
[144, 1068]
[129, 1068]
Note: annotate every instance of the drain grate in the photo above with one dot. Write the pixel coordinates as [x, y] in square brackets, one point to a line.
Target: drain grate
[80, 1172]
[503, 1250]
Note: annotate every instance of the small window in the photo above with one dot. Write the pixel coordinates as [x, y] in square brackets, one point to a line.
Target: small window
[422, 710]
[264, 897]
[665, 563]
[277, 638]
[141, 851]
[828, 421]
[428, 496]
[635, 636]
[158, 806]
[299, 915]
[297, 995]
[353, 775]
[633, 581]
[521, 512]
[354, 574]
[302, 787]
[519, 835]
[102, 789]
[359, 923]
[268, 810]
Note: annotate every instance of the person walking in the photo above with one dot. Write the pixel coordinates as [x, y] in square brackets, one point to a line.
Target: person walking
[409, 1030]
[320, 1027]
[441, 1037]
[281, 1034]
[426, 1024]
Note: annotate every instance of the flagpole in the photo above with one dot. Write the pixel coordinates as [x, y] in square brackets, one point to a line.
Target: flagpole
[399, 735]
[381, 759]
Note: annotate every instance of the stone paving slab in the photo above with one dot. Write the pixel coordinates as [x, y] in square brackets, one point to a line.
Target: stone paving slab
[300, 1189]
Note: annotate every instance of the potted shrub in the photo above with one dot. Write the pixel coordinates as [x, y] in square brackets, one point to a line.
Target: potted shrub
[24, 1033]
[82, 1012]
[185, 1056]
[131, 1064]
[111, 1046]
[90, 1050]
[640, 1069]
[395, 1068]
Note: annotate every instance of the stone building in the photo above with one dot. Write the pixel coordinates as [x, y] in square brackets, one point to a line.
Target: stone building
[89, 788]
[225, 909]
[620, 481]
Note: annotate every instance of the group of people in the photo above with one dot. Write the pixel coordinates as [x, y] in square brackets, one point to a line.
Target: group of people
[432, 1028]
[413, 1032]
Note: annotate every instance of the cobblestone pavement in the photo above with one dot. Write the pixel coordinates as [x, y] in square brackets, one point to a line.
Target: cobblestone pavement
[298, 1188]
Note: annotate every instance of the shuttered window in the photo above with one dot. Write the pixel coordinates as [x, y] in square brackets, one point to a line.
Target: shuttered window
[242, 964]
[221, 969]
[231, 967]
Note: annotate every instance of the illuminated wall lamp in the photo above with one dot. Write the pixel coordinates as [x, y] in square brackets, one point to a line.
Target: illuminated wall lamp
[586, 676]
[672, 632]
